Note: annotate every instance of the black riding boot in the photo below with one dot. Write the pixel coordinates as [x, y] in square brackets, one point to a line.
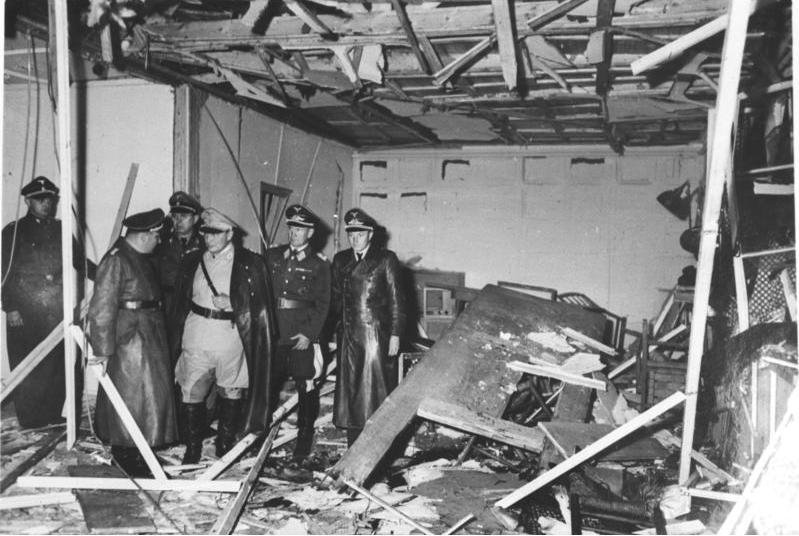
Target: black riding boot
[193, 427]
[229, 410]
[131, 461]
[307, 411]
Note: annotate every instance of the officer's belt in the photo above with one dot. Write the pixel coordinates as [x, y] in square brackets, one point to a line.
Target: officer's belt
[135, 305]
[285, 303]
[211, 313]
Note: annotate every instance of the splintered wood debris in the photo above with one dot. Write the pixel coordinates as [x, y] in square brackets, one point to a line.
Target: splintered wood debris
[548, 453]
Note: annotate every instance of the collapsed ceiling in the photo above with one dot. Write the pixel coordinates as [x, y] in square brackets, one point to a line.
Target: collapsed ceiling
[399, 73]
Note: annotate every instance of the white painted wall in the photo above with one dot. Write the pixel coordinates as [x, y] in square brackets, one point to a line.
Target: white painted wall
[577, 219]
[255, 141]
[115, 123]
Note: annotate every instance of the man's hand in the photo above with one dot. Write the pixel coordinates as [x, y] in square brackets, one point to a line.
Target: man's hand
[302, 342]
[393, 346]
[14, 319]
[222, 302]
[100, 361]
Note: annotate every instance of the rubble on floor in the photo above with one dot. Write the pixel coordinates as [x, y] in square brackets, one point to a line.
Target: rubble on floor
[477, 433]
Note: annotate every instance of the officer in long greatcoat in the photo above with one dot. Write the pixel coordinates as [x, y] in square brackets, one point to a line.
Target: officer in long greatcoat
[33, 302]
[223, 321]
[301, 283]
[368, 310]
[128, 334]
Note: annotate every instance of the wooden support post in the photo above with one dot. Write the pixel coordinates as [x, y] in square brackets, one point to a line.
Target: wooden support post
[384, 504]
[147, 484]
[127, 193]
[643, 362]
[719, 154]
[227, 521]
[310, 172]
[604, 19]
[67, 195]
[592, 450]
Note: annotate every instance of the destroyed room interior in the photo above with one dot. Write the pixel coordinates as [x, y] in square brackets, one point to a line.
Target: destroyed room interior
[495, 267]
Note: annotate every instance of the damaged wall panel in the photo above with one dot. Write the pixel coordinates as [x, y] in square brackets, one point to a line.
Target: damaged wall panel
[304, 165]
[576, 219]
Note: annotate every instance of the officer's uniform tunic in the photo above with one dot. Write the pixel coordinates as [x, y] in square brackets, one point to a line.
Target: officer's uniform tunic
[301, 284]
[212, 348]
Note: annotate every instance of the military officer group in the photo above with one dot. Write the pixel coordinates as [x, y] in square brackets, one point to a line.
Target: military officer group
[191, 326]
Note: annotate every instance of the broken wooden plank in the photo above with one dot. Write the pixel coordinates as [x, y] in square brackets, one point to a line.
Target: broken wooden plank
[36, 499]
[452, 68]
[405, 22]
[387, 506]
[553, 13]
[558, 374]
[571, 437]
[492, 428]
[308, 17]
[230, 456]
[588, 341]
[111, 512]
[592, 450]
[227, 521]
[119, 405]
[147, 484]
[506, 40]
[604, 20]
[43, 447]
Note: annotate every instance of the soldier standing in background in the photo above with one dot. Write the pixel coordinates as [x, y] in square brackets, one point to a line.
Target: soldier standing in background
[301, 283]
[183, 239]
[127, 331]
[33, 302]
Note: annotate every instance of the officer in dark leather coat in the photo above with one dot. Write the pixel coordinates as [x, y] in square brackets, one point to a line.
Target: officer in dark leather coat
[301, 281]
[127, 331]
[182, 239]
[33, 302]
[223, 322]
[368, 309]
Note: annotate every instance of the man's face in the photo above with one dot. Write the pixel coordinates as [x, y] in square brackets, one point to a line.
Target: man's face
[359, 240]
[299, 236]
[216, 242]
[42, 207]
[184, 222]
[150, 240]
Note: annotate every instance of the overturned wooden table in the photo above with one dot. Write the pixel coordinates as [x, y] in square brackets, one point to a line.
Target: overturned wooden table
[464, 381]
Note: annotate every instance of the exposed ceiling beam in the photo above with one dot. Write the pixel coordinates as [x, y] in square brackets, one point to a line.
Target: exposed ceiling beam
[464, 60]
[506, 40]
[308, 17]
[405, 22]
[604, 19]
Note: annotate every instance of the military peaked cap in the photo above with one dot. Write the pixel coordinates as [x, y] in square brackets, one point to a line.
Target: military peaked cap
[183, 202]
[299, 216]
[213, 220]
[40, 187]
[357, 220]
[151, 220]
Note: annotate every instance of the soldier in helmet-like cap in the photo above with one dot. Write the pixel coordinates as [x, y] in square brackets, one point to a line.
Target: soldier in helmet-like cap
[301, 279]
[128, 336]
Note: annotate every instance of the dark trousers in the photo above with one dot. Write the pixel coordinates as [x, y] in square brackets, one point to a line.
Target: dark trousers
[293, 364]
[39, 398]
